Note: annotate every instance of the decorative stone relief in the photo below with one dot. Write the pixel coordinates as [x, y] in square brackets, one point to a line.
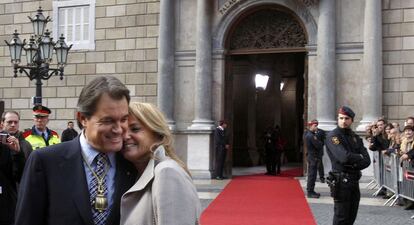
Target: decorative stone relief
[309, 3]
[268, 29]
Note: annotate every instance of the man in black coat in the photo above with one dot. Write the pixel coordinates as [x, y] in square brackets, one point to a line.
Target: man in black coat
[11, 168]
[270, 149]
[348, 157]
[81, 181]
[69, 133]
[221, 146]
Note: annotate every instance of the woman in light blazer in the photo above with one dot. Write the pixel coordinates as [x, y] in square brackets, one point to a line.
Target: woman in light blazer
[164, 194]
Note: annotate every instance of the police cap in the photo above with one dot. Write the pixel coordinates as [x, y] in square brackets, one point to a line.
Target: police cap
[40, 110]
[312, 122]
[345, 110]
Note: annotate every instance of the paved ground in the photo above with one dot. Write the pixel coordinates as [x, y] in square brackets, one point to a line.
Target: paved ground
[371, 209]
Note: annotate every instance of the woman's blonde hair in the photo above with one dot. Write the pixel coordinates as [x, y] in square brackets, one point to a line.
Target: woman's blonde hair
[152, 118]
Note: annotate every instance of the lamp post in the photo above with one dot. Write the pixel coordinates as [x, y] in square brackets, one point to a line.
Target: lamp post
[39, 52]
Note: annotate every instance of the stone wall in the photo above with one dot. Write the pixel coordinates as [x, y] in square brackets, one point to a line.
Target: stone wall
[126, 37]
[398, 59]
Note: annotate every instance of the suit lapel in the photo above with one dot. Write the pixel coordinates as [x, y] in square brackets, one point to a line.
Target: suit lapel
[125, 176]
[73, 171]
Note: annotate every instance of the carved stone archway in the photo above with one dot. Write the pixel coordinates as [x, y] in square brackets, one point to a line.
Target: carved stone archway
[267, 29]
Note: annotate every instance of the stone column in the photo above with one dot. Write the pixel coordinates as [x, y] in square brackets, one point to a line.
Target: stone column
[166, 49]
[203, 101]
[372, 83]
[326, 80]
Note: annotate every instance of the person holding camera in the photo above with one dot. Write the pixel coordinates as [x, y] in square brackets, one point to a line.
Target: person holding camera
[11, 168]
[348, 157]
[11, 121]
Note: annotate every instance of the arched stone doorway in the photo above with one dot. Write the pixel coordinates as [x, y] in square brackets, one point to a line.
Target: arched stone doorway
[268, 39]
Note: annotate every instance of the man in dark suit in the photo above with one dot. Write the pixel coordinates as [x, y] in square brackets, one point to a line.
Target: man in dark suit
[81, 181]
[69, 133]
[221, 146]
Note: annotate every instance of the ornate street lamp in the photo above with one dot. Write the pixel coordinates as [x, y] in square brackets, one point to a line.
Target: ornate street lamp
[39, 52]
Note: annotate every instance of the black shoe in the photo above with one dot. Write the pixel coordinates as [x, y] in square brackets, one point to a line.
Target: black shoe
[409, 205]
[386, 196]
[267, 173]
[382, 192]
[313, 195]
[219, 178]
[322, 180]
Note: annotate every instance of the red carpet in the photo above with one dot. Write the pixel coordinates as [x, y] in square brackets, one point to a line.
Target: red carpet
[260, 200]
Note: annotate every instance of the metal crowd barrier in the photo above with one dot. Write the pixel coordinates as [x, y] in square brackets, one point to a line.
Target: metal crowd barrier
[407, 182]
[395, 176]
[390, 174]
[377, 165]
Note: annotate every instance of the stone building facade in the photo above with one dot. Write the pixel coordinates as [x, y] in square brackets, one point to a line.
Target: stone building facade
[196, 60]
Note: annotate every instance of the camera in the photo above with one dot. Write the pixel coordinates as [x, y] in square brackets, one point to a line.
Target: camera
[3, 138]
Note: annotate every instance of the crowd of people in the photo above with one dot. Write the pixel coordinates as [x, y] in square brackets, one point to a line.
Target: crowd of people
[122, 162]
[387, 138]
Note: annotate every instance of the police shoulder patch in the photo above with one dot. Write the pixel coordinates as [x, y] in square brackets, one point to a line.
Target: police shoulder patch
[335, 140]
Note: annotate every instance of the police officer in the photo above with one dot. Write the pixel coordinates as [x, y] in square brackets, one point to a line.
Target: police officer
[348, 157]
[314, 148]
[321, 134]
[40, 135]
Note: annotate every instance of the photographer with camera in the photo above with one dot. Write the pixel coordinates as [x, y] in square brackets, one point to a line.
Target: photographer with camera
[379, 140]
[11, 168]
[11, 123]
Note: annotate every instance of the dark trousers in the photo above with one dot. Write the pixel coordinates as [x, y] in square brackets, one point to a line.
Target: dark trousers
[346, 203]
[312, 173]
[320, 169]
[270, 160]
[220, 159]
[278, 161]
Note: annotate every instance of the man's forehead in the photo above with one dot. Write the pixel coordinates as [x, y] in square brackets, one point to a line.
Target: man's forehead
[10, 114]
[343, 116]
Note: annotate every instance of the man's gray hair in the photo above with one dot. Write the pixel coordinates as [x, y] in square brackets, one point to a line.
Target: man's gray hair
[93, 91]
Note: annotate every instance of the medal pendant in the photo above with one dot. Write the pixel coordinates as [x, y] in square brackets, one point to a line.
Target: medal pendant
[101, 203]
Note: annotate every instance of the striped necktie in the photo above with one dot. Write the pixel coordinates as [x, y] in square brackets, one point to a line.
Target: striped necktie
[99, 217]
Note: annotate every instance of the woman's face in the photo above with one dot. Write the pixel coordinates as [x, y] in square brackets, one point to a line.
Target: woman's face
[387, 130]
[408, 133]
[138, 141]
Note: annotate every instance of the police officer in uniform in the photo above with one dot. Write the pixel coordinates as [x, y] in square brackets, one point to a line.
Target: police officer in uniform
[40, 135]
[314, 148]
[348, 157]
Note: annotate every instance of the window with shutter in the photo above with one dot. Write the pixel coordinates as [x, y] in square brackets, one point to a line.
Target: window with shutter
[75, 19]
